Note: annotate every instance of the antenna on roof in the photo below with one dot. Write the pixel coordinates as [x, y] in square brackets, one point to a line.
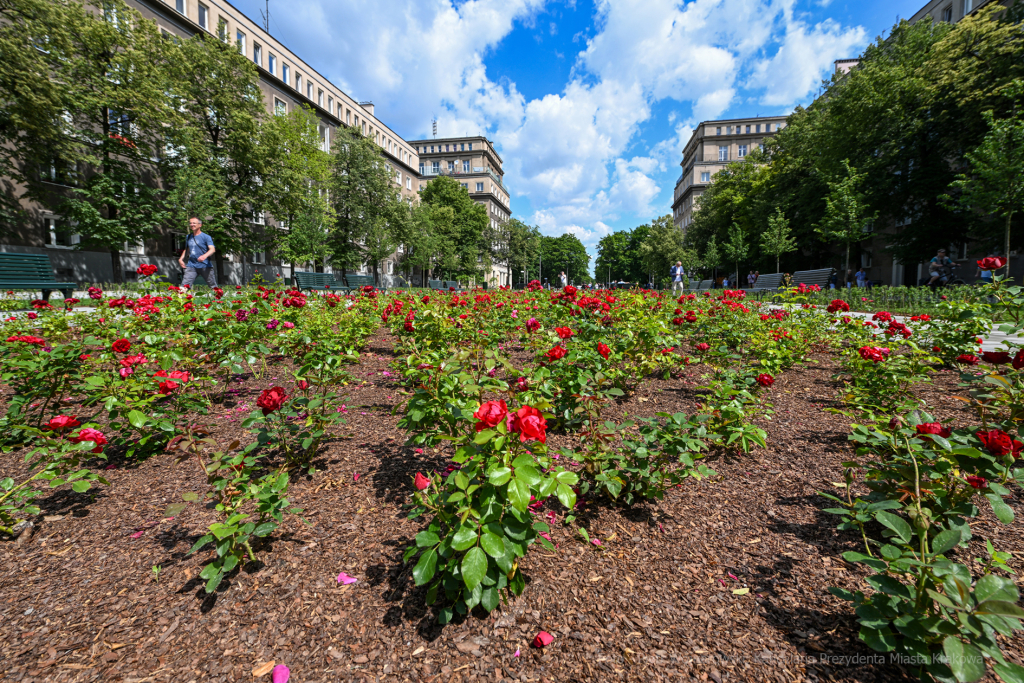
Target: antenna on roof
[266, 18]
[434, 124]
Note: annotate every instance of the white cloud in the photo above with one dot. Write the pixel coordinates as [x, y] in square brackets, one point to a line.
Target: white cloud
[571, 152]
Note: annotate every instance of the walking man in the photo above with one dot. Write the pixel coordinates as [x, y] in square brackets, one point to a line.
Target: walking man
[677, 276]
[199, 248]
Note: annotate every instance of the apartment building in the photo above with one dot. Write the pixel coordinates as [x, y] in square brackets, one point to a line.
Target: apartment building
[713, 146]
[287, 81]
[951, 11]
[475, 163]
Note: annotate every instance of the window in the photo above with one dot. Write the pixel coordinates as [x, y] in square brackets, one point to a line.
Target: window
[968, 6]
[865, 259]
[309, 90]
[423, 169]
[748, 130]
[705, 177]
[757, 128]
[465, 186]
[298, 82]
[222, 29]
[259, 218]
[398, 177]
[947, 15]
[348, 116]
[271, 63]
[57, 233]
[431, 149]
[203, 11]
[320, 98]
[718, 130]
[259, 257]
[119, 123]
[240, 41]
[284, 72]
[180, 6]
[723, 153]
[479, 187]
[280, 108]
[471, 147]
[451, 166]
[408, 182]
[137, 248]
[742, 152]
[257, 54]
[463, 147]
[330, 104]
[465, 166]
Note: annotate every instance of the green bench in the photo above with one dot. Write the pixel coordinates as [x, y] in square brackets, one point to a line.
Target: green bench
[818, 277]
[318, 281]
[443, 285]
[358, 282]
[32, 272]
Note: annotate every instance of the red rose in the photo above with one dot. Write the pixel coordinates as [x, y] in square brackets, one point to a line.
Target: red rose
[62, 423]
[146, 269]
[302, 385]
[702, 346]
[967, 359]
[992, 263]
[94, 435]
[121, 346]
[271, 400]
[603, 349]
[490, 414]
[530, 425]
[838, 305]
[998, 442]
[1018, 360]
[873, 353]
[927, 428]
[563, 332]
[765, 380]
[532, 325]
[543, 638]
[996, 357]
[168, 386]
[976, 481]
[421, 482]
[555, 353]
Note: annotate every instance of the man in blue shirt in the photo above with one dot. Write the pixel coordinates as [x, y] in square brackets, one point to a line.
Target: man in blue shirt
[199, 248]
[676, 273]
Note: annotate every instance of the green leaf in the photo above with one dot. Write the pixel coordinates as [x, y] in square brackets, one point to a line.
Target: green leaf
[963, 659]
[528, 474]
[499, 475]
[993, 587]
[490, 599]
[879, 640]
[566, 477]
[492, 545]
[464, 538]
[566, 496]
[427, 538]
[425, 568]
[945, 541]
[897, 524]
[1009, 672]
[874, 563]
[1001, 608]
[519, 494]
[189, 497]
[1002, 511]
[208, 538]
[474, 567]
[264, 529]
[212, 584]
[138, 420]
[80, 486]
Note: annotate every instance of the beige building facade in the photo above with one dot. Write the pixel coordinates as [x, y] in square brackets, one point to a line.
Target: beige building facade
[477, 166]
[712, 147]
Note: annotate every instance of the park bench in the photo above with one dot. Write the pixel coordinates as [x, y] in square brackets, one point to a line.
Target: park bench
[818, 277]
[356, 282]
[318, 281]
[766, 283]
[705, 285]
[32, 272]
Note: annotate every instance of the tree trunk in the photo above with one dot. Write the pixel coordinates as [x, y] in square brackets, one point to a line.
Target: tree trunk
[778, 260]
[115, 263]
[1009, 215]
[846, 274]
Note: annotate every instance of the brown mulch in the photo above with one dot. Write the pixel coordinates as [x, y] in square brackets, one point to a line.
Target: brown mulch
[655, 602]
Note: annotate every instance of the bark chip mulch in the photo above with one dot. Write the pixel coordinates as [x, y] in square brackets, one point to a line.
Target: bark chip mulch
[662, 598]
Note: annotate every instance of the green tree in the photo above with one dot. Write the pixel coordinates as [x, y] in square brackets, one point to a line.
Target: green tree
[564, 253]
[217, 147]
[846, 212]
[465, 233]
[736, 249]
[776, 240]
[996, 180]
[113, 72]
[299, 187]
[613, 257]
[517, 246]
[368, 215]
[661, 248]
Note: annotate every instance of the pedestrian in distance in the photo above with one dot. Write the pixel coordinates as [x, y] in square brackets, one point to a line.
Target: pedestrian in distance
[676, 273]
[199, 248]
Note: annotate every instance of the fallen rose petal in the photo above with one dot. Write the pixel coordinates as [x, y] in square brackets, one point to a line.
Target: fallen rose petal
[543, 639]
[721, 581]
[346, 580]
[595, 541]
[138, 534]
[516, 653]
[281, 674]
[355, 476]
[733, 577]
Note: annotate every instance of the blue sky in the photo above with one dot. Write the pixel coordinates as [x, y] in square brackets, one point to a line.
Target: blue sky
[589, 103]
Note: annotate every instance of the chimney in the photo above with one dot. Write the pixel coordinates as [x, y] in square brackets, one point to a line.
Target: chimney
[368, 106]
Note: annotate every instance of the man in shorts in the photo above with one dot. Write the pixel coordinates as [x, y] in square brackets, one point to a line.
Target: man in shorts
[939, 268]
[199, 248]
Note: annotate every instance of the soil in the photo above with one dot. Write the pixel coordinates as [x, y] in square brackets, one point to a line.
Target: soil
[657, 601]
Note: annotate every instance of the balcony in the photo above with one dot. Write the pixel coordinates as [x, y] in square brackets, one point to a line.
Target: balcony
[477, 170]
